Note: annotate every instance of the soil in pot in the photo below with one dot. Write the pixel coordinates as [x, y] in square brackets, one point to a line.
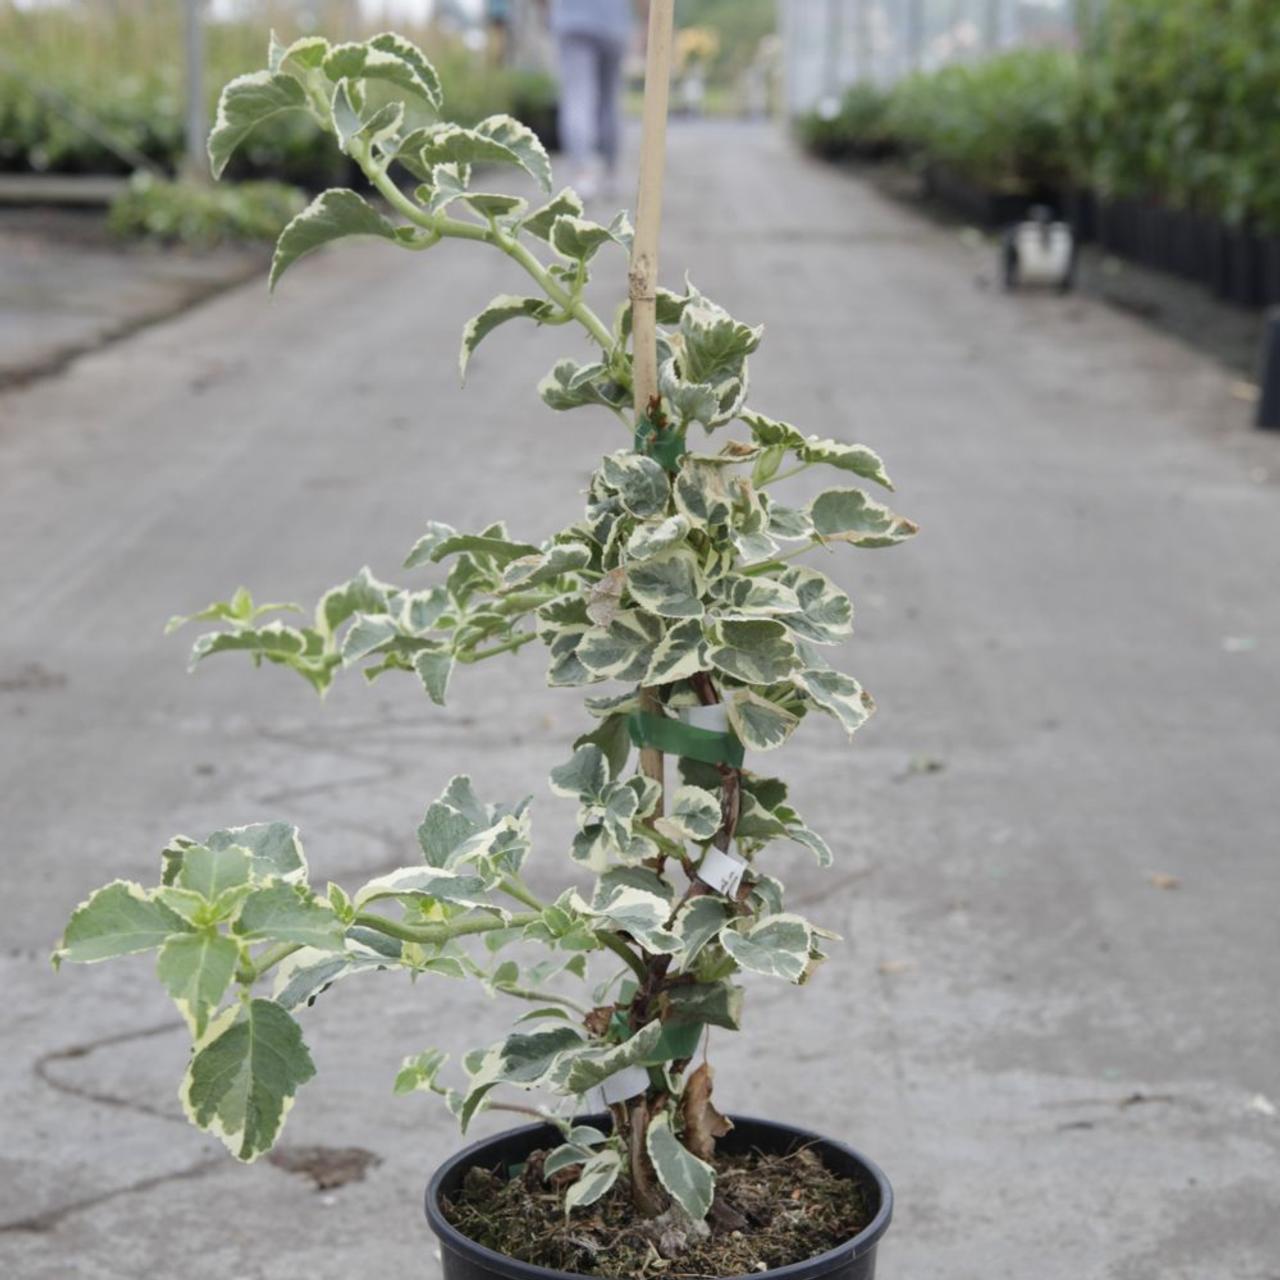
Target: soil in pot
[771, 1211]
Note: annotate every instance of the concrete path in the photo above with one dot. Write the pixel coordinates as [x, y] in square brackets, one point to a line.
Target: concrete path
[67, 285]
[1068, 1070]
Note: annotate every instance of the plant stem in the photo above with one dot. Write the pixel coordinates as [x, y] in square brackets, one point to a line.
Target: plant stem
[785, 475]
[435, 934]
[529, 993]
[440, 225]
[616, 945]
[507, 646]
[516, 888]
[778, 561]
[269, 959]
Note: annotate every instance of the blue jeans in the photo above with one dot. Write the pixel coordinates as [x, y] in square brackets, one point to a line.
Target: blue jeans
[591, 97]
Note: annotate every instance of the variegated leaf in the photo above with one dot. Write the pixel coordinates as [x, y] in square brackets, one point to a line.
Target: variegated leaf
[762, 725]
[759, 652]
[695, 814]
[243, 1075]
[670, 584]
[578, 239]
[559, 559]
[523, 1060]
[839, 695]
[591, 1065]
[584, 777]
[244, 104]
[196, 969]
[777, 946]
[624, 649]
[523, 143]
[699, 922]
[681, 653]
[540, 222]
[289, 913]
[332, 215]
[461, 888]
[690, 1182]
[650, 539]
[639, 481]
[741, 597]
[702, 494]
[848, 515]
[825, 613]
[119, 919]
[505, 307]
[389, 58]
[714, 341]
[598, 1175]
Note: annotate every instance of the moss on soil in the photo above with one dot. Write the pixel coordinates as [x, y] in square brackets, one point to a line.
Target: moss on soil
[770, 1211]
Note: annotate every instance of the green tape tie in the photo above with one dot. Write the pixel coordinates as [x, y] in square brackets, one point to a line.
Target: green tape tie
[665, 447]
[675, 738]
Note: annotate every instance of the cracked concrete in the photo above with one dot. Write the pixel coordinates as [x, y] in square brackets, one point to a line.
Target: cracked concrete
[1076, 664]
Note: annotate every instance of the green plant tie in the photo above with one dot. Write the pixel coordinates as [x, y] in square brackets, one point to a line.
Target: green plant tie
[675, 738]
[666, 447]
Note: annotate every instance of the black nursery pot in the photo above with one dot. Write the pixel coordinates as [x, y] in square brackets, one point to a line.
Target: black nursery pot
[853, 1260]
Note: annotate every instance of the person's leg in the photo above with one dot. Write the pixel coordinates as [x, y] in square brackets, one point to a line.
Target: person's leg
[579, 94]
[610, 56]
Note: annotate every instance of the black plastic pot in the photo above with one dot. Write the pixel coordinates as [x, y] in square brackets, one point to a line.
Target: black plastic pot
[853, 1260]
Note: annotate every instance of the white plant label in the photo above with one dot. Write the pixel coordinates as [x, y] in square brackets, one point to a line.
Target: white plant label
[623, 1085]
[722, 871]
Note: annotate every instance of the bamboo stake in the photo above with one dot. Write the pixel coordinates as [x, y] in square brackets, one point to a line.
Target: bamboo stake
[643, 276]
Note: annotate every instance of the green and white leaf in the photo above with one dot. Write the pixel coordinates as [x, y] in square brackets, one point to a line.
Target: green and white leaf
[505, 307]
[540, 222]
[825, 613]
[584, 777]
[690, 1182]
[759, 652]
[435, 884]
[777, 946]
[699, 922]
[654, 537]
[434, 668]
[579, 239]
[592, 1065]
[695, 814]
[523, 143]
[849, 515]
[332, 215]
[839, 695]
[210, 872]
[681, 653]
[196, 969]
[639, 481]
[119, 919]
[670, 585]
[559, 559]
[524, 1060]
[702, 494]
[275, 849]
[242, 1078]
[244, 104]
[762, 725]
[598, 1175]
[289, 913]
[624, 649]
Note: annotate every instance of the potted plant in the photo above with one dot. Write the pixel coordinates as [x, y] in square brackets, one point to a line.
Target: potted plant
[677, 596]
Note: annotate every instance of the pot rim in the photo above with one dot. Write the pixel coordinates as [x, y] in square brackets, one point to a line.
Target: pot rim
[808, 1269]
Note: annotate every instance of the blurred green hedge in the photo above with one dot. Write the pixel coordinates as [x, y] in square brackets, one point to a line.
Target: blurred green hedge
[124, 70]
[1174, 101]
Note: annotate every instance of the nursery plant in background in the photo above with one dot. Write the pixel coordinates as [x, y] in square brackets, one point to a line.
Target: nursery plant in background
[680, 599]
